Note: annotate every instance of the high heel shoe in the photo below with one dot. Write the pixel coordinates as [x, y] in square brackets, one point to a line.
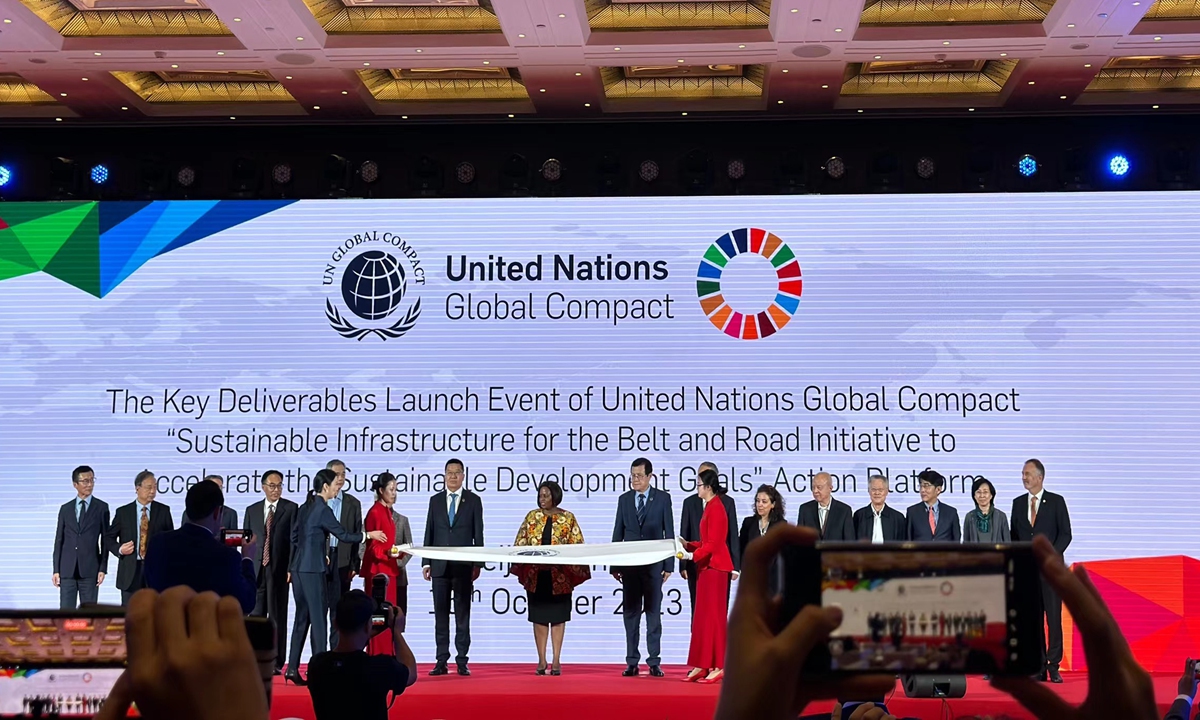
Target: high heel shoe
[541, 669]
[712, 679]
[295, 679]
[693, 676]
[556, 670]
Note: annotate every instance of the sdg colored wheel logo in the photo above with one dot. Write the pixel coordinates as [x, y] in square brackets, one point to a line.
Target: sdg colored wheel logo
[756, 324]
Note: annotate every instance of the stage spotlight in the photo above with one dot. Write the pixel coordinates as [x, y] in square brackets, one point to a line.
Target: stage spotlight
[648, 171]
[6, 176]
[186, 176]
[427, 176]
[735, 170]
[695, 172]
[1118, 165]
[926, 168]
[464, 173]
[610, 176]
[835, 167]
[244, 179]
[792, 178]
[514, 175]
[336, 176]
[552, 170]
[99, 174]
[369, 171]
[64, 178]
[1027, 166]
[281, 174]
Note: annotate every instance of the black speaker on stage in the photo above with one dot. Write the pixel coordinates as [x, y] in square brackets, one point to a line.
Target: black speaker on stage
[935, 686]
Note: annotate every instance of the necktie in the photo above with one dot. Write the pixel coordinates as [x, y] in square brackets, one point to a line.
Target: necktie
[78, 510]
[824, 513]
[453, 508]
[1032, 510]
[144, 533]
[267, 540]
[932, 523]
[641, 509]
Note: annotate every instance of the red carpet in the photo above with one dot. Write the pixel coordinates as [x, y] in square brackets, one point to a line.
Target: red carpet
[598, 692]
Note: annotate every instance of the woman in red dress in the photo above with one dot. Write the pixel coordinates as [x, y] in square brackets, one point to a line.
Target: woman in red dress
[379, 557]
[711, 557]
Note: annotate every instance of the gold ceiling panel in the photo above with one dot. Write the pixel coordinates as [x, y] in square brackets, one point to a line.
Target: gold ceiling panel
[605, 15]
[619, 84]
[1173, 10]
[14, 90]
[400, 85]
[338, 18]
[861, 80]
[152, 88]
[70, 21]
[138, 4]
[947, 12]
[1138, 74]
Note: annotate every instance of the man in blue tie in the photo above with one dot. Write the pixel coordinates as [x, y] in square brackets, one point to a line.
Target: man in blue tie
[80, 558]
[643, 513]
[455, 519]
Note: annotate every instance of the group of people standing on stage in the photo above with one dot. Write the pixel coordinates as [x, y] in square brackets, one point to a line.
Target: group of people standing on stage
[321, 546]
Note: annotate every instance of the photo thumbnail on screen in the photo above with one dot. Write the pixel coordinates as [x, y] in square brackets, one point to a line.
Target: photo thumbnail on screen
[916, 611]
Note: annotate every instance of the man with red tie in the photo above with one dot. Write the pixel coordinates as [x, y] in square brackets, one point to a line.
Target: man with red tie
[1039, 512]
[932, 520]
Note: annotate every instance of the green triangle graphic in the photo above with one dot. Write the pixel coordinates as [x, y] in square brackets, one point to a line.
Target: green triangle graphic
[10, 269]
[12, 250]
[23, 212]
[78, 260]
[44, 236]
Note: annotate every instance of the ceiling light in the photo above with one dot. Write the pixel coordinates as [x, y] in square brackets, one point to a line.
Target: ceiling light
[403, 117]
[1062, 97]
[945, 42]
[1136, 4]
[779, 102]
[521, 35]
[1031, 82]
[1087, 65]
[1157, 38]
[616, 48]
[174, 67]
[561, 15]
[367, 64]
[487, 62]
[299, 39]
[83, 79]
[860, 110]
[970, 109]
[124, 107]
[345, 92]
[62, 94]
[231, 117]
[511, 115]
[7, 21]
[57, 119]
[541, 89]
[420, 50]
[1153, 107]
[878, 57]
[824, 87]
[237, 19]
[741, 47]
[97, 54]
[1003, 54]
[587, 104]
[684, 114]
[1070, 25]
[316, 107]
[679, 60]
[287, 77]
[837, 29]
[578, 74]
[795, 10]
[785, 70]
[219, 52]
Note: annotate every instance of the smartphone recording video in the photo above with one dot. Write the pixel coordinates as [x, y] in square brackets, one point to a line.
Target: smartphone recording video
[918, 609]
[232, 538]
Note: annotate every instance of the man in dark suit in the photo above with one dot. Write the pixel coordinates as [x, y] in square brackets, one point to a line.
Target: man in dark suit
[310, 567]
[270, 520]
[931, 520]
[80, 556]
[689, 529]
[878, 522]
[455, 519]
[643, 513]
[133, 527]
[1039, 512]
[832, 519]
[229, 519]
[344, 560]
[194, 555]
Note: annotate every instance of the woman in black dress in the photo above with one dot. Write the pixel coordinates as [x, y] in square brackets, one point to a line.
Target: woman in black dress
[768, 512]
[549, 587]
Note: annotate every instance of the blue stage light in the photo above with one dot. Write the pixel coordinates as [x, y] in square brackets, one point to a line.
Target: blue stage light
[1118, 165]
[1027, 166]
[6, 176]
[100, 174]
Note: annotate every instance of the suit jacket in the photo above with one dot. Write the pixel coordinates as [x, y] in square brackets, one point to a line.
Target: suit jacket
[255, 523]
[311, 529]
[895, 527]
[711, 551]
[949, 529]
[467, 530]
[689, 528]
[403, 537]
[839, 520]
[658, 524]
[79, 545]
[228, 519]
[349, 554]
[1180, 708]
[124, 528]
[749, 533]
[1053, 521]
[192, 556]
[377, 558]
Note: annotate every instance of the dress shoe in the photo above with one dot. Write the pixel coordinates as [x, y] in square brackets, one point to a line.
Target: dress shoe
[1040, 677]
[464, 670]
[712, 678]
[295, 679]
[656, 671]
[1055, 677]
[693, 675]
[278, 671]
[439, 669]
[630, 671]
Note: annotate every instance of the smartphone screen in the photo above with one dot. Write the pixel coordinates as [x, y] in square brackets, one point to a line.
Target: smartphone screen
[921, 608]
[31, 640]
[232, 538]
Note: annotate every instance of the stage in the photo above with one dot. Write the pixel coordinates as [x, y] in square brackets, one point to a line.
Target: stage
[599, 692]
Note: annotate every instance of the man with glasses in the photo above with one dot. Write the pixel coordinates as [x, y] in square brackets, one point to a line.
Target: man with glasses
[80, 558]
[455, 519]
[344, 558]
[133, 528]
[270, 521]
[879, 522]
[643, 513]
[931, 520]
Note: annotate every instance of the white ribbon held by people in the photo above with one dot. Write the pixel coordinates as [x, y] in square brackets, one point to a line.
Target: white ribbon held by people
[620, 554]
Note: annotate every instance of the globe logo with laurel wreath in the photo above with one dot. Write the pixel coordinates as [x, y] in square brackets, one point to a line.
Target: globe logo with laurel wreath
[373, 285]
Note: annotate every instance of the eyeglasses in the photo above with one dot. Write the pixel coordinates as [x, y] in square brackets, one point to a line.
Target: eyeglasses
[273, 486]
[927, 486]
[452, 473]
[85, 482]
[639, 476]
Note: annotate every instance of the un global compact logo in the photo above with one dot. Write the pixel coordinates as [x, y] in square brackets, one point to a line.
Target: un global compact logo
[370, 272]
[749, 283]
